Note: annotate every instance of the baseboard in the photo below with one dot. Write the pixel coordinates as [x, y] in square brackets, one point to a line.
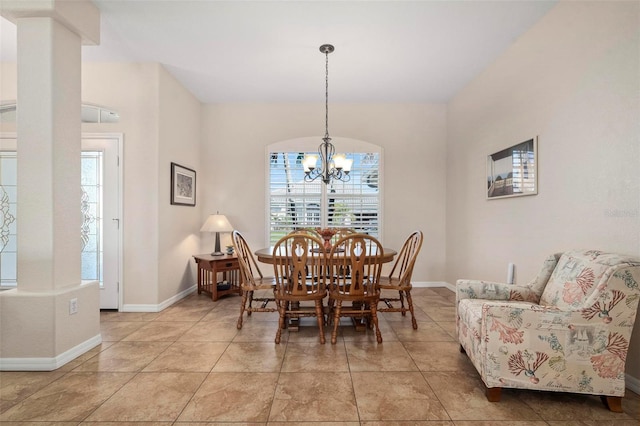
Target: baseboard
[433, 284]
[632, 383]
[49, 364]
[161, 306]
[185, 293]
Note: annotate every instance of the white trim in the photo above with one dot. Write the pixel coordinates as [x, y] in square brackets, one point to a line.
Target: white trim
[632, 383]
[49, 364]
[161, 306]
[424, 284]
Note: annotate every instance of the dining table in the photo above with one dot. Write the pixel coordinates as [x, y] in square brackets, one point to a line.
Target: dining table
[266, 255]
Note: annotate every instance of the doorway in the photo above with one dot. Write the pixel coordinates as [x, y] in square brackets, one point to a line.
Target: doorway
[101, 229]
[101, 206]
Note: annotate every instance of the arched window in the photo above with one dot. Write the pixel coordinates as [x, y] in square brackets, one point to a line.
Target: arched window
[295, 204]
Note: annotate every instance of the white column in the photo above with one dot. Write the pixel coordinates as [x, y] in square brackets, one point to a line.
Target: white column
[49, 133]
[38, 331]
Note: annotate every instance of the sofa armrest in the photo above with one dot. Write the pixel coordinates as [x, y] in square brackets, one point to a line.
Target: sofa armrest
[476, 289]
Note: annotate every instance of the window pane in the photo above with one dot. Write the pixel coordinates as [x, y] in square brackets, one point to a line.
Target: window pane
[8, 169]
[296, 204]
[91, 230]
[8, 199]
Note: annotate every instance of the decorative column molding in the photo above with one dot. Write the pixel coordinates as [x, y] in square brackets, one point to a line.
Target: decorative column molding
[80, 16]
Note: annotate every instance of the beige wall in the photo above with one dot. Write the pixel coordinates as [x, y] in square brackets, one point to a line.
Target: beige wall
[573, 80]
[161, 123]
[411, 135]
[132, 91]
[178, 232]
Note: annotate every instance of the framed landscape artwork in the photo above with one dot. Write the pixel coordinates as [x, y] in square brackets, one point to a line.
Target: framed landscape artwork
[513, 172]
[183, 185]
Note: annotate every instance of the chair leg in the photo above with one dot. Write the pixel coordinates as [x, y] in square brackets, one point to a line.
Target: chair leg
[250, 303]
[242, 309]
[320, 317]
[336, 321]
[414, 323]
[493, 394]
[367, 318]
[374, 318]
[282, 320]
[403, 311]
[613, 403]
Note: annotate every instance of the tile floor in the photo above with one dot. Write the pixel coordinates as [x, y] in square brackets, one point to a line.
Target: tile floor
[190, 365]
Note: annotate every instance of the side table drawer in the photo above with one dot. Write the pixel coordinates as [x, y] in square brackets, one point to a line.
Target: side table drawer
[227, 265]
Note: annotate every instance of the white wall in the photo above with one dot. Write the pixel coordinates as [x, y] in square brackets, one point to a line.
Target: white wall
[413, 139]
[573, 80]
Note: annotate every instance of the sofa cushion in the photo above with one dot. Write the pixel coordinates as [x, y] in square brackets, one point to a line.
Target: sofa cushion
[576, 277]
[538, 284]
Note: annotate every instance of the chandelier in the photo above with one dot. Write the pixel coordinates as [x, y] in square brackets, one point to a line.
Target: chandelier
[332, 166]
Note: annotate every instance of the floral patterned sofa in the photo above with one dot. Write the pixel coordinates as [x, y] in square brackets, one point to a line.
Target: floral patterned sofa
[568, 330]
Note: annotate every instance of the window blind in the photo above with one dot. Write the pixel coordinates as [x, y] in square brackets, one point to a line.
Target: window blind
[296, 204]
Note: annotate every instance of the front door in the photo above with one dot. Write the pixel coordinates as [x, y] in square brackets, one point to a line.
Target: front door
[101, 216]
[101, 213]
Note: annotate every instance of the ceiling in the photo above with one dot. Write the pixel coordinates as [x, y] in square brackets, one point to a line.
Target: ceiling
[268, 51]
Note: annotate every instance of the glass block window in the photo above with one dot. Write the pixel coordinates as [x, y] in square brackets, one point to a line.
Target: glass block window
[8, 229]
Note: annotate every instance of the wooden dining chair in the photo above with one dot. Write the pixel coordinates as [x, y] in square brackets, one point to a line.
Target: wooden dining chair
[399, 279]
[300, 266]
[341, 232]
[362, 257]
[308, 231]
[252, 280]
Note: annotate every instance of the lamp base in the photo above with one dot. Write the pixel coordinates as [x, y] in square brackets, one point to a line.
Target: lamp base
[216, 248]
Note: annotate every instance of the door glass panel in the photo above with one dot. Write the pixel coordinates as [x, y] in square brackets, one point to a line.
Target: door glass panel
[91, 206]
[8, 200]
[92, 220]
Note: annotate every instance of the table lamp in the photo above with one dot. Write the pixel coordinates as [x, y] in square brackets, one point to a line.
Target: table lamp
[217, 223]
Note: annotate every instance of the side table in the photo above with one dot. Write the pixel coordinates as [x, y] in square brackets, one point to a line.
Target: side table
[208, 269]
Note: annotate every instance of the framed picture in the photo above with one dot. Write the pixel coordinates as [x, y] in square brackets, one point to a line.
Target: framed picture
[183, 185]
[513, 172]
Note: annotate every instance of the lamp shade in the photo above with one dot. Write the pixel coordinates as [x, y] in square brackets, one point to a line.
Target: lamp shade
[217, 223]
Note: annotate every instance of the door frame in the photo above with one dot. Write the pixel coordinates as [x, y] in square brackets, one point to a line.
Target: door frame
[119, 138]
